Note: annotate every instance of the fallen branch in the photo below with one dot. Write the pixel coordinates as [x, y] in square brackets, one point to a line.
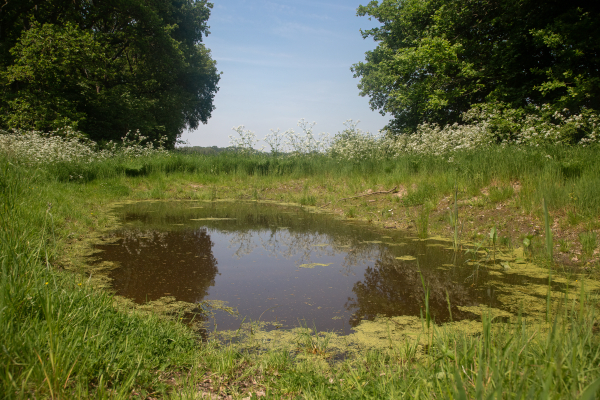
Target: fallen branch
[394, 190]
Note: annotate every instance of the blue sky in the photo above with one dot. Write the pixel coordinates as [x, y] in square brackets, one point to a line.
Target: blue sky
[286, 60]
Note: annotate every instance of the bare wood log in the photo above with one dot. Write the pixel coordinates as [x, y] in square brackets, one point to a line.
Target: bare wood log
[394, 190]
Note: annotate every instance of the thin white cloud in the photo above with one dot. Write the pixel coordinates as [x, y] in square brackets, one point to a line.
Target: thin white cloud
[294, 29]
[320, 4]
[295, 11]
[279, 63]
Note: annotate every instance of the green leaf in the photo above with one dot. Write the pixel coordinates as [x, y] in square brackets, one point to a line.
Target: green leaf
[591, 390]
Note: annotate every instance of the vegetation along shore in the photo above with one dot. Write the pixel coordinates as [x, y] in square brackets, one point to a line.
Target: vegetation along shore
[64, 337]
[490, 156]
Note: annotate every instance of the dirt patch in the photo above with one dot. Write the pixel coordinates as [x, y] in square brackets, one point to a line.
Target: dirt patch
[401, 192]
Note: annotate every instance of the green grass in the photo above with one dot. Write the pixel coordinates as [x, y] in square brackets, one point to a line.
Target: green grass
[541, 177]
[498, 194]
[61, 338]
[589, 242]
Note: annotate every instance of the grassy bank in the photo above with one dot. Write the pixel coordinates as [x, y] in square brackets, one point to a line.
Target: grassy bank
[503, 187]
[62, 338]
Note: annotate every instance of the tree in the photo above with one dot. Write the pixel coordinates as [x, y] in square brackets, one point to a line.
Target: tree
[106, 67]
[435, 59]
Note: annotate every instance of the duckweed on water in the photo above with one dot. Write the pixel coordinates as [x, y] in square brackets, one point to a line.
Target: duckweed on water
[156, 358]
[497, 291]
[312, 265]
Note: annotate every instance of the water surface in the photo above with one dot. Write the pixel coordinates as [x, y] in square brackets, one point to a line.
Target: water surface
[287, 265]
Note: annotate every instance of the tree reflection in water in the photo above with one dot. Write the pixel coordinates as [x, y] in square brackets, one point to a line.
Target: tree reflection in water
[170, 249]
[161, 263]
[393, 287]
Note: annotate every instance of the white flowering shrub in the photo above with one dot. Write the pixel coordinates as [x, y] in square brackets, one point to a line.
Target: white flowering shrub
[134, 145]
[244, 141]
[541, 125]
[483, 127]
[354, 145]
[289, 142]
[46, 148]
[441, 140]
[276, 142]
[306, 142]
[69, 146]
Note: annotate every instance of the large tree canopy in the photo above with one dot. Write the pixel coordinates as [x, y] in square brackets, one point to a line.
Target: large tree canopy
[106, 67]
[435, 59]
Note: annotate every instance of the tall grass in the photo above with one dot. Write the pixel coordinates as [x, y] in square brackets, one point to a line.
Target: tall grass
[522, 359]
[63, 339]
[60, 337]
[564, 176]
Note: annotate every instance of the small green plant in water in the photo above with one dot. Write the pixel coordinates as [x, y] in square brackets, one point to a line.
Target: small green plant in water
[494, 240]
[454, 221]
[308, 199]
[527, 240]
[422, 221]
[313, 342]
[427, 317]
[505, 242]
[549, 246]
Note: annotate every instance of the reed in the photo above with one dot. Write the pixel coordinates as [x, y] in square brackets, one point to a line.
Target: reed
[549, 244]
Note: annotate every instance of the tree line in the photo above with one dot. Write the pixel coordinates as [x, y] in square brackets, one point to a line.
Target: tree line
[436, 59]
[106, 67]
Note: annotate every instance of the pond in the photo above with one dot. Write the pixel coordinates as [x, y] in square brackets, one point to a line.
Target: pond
[289, 265]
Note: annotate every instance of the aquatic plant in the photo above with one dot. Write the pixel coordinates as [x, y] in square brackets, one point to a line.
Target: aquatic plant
[549, 244]
[421, 221]
[453, 215]
[493, 240]
[311, 341]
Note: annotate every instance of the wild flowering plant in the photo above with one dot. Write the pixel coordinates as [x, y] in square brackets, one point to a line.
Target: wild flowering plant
[354, 145]
[307, 142]
[47, 148]
[482, 126]
[442, 140]
[540, 125]
[134, 145]
[282, 142]
[276, 142]
[244, 141]
[70, 146]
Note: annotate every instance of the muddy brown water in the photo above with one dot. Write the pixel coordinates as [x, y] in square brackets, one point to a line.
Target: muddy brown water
[288, 266]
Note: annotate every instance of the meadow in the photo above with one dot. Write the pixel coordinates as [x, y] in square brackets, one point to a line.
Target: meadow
[63, 337]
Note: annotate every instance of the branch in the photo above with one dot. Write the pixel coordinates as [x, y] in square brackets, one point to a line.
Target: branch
[394, 190]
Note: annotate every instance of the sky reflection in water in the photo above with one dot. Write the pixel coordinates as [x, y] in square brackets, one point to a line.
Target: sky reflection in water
[257, 257]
